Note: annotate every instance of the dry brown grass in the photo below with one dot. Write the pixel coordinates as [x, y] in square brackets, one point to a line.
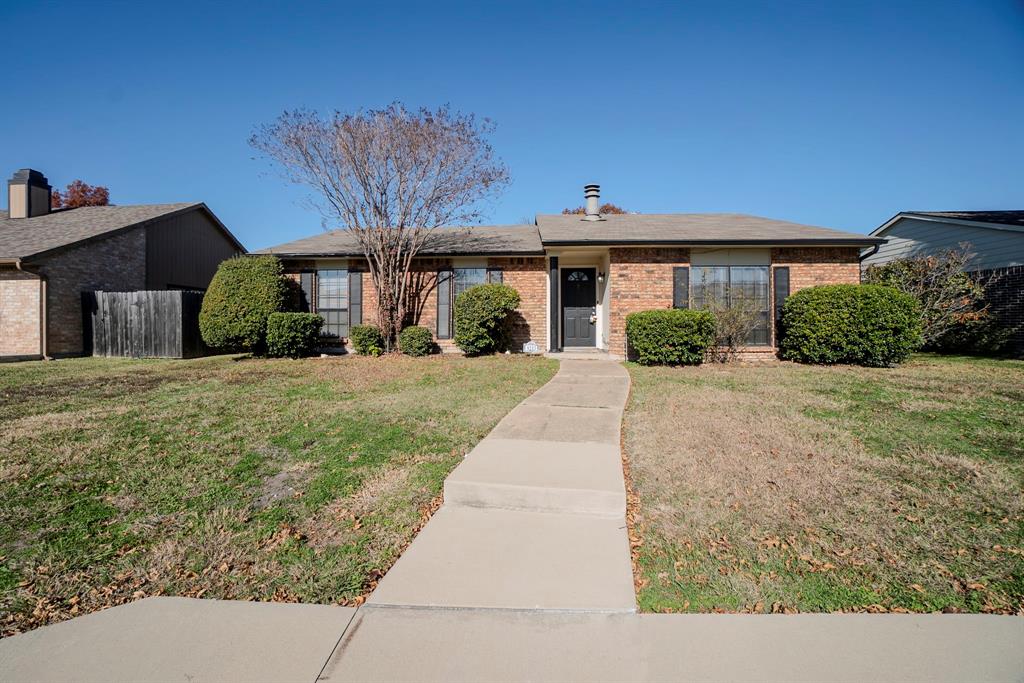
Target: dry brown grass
[829, 488]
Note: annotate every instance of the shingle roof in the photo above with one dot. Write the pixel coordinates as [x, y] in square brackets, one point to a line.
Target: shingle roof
[997, 217]
[689, 228]
[22, 238]
[481, 239]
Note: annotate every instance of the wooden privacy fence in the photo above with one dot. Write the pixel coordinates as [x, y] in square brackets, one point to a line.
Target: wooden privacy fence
[143, 324]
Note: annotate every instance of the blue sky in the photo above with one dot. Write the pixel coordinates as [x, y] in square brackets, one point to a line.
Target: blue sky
[828, 113]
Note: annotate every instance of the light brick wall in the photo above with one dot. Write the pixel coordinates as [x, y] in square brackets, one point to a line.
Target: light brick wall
[811, 266]
[640, 279]
[19, 313]
[117, 263]
[528, 276]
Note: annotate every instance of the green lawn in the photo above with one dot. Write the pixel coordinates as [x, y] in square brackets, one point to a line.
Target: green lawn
[227, 477]
[799, 488]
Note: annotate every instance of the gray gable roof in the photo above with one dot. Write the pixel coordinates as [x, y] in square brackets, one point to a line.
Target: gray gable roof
[1014, 218]
[689, 228]
[24, 238]
[468, 241]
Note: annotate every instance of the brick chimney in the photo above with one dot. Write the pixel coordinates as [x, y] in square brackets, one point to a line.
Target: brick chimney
[28, 194]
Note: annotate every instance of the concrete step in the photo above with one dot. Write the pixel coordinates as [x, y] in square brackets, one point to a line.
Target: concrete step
[542, 476]
[505, 559]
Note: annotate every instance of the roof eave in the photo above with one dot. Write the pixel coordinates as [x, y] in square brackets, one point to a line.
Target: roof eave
[422, 254]
[943, 219]
[824, 242]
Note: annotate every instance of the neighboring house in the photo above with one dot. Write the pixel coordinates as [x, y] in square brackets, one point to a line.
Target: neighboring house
[996, 238]
[579, 276]
[49, 258]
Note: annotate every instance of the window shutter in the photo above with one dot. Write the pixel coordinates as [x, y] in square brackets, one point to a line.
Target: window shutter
[495, 277]
[355, 298]
[781, 287]
[681, 287]
[306, 296]
[444, 304]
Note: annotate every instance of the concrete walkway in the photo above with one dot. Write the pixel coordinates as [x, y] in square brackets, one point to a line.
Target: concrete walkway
[523, 574]
[534, 518]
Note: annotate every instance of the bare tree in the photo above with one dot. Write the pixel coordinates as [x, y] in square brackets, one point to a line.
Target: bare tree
[950, 297]
[390, 177]
[736, 317]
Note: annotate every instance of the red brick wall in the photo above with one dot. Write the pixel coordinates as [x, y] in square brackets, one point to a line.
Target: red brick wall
[640, 279]
[528, 276]
[113, 264]
[810, 266]
[1004, 293]
[19, 313]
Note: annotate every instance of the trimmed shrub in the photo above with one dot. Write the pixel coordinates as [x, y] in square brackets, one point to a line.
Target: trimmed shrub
[416, 341]
[293, 335]
[367, 340]
[483, 318]
[674, 336]
[243, 293]
[867, 325]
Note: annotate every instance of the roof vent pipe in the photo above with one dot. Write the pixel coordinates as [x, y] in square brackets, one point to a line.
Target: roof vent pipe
[592, 193]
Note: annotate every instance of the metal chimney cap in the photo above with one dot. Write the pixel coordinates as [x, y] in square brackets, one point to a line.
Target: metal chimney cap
[591, 193]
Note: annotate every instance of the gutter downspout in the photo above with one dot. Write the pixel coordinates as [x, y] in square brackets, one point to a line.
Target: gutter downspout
[42, 309]
[868, 254]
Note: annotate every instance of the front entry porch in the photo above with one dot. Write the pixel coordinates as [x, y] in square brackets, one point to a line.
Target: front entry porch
[578, 301]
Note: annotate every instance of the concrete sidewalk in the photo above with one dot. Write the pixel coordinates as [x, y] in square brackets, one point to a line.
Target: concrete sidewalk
[180, 639]
[534, 518]
[502, 645]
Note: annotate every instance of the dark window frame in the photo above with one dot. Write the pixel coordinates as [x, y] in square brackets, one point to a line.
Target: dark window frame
[779, 295]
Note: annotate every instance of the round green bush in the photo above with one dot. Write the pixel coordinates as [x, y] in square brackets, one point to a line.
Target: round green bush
[673, 336]
[367, 340]
[867, 325]
[293, 335]
[243, 293]
[483, 318]
[416, 341]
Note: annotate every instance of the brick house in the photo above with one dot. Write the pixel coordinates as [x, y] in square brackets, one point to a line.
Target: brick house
[49, 258]
[579, 276]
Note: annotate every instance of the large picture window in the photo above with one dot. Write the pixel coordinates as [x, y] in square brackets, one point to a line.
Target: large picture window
[712, 286]
[332, 301]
